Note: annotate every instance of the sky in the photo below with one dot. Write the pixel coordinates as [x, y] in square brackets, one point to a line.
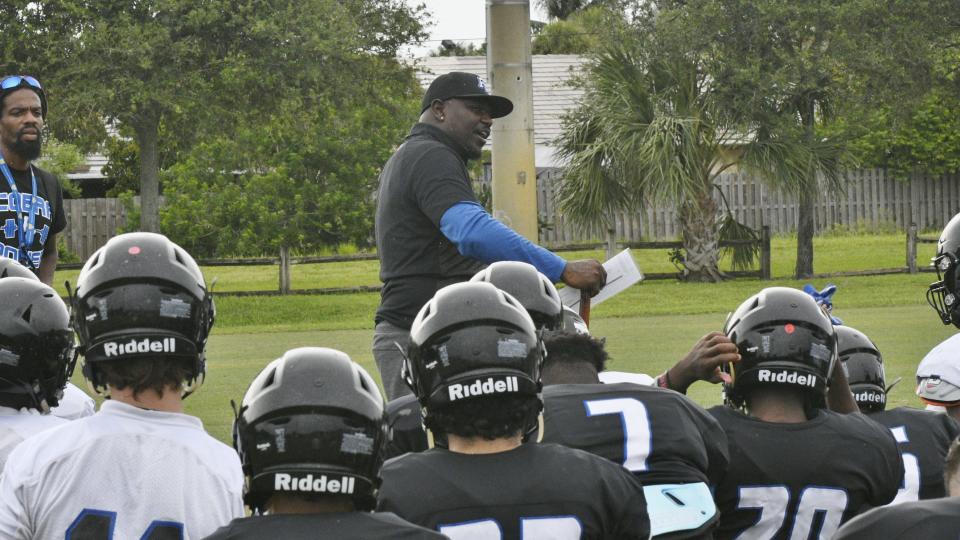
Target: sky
[460, 20]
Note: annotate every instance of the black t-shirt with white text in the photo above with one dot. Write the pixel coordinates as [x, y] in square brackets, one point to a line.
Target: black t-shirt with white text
[924, 438]
[49, 216]
[342, 526]
[532, 491]
[793, 480]
[660, 435]
[419, 183]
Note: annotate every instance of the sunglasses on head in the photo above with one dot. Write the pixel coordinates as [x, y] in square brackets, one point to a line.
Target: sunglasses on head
[16, 81]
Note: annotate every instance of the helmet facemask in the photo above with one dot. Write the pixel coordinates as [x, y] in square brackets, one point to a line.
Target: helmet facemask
[942, 294]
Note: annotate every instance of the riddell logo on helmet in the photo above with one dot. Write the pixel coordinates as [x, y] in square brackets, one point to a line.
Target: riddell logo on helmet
[482, 388]
[765, 375]
[286, 482]
[870, 397]
[166, 345]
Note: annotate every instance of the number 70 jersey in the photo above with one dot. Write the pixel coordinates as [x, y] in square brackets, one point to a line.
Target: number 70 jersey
[802, 480]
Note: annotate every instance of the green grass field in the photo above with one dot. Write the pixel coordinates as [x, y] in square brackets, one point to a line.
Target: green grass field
[647, 327]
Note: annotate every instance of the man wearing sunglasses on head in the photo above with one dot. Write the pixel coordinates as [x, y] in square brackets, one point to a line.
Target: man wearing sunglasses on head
[31, 202]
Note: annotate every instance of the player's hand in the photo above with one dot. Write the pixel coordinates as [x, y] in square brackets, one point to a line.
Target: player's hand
[585, 274]
[703, 362]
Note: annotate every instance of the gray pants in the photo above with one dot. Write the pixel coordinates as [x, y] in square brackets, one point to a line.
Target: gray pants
[388, 357]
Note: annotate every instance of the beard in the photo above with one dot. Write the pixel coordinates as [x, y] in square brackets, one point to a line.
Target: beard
[28, 150]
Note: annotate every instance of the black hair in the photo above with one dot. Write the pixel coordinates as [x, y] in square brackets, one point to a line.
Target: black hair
[569, 347]
[488, 417]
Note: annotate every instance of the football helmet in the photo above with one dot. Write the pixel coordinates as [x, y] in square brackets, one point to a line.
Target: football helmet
[944, 294]
[312, 422]
[785, 339]
[863, 364]
[12, 268]
[532, 289]
[36, 344]
[472, 339]
[141, 295]
[573, 323]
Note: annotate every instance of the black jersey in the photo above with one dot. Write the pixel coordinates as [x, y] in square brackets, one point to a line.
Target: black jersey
[924, 438]
[342, 526]
[533, 491]
[791, 480]
[660, 435]
[928, 520]
[406, 425]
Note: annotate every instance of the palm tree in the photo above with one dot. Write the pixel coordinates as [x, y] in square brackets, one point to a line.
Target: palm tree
[561, 9]
[650, 128]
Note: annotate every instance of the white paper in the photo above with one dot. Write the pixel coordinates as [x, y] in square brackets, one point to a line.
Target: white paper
[622, 272]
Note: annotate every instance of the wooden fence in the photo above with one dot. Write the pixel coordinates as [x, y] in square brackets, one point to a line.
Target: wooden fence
[872, 199]
[91, 222]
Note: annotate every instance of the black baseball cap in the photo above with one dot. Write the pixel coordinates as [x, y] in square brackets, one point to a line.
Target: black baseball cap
[458, 84]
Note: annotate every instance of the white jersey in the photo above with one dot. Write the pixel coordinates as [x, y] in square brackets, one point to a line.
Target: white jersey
[74, 404]
[126, 470]
[17, 425]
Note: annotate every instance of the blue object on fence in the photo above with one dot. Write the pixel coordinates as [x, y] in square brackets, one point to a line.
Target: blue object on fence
[824, 298]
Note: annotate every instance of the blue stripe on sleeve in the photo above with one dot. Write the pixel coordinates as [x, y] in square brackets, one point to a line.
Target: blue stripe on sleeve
[479, 236]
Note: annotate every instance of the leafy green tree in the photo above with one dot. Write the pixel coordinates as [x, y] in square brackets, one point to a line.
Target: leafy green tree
[62, 158]
[789, 69]
[455, 48]
[579, 33]
[302, 181]
[197, 67]
[651, 128]
[928, 141]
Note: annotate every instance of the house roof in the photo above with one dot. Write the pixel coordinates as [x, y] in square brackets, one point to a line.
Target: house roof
[552, 97]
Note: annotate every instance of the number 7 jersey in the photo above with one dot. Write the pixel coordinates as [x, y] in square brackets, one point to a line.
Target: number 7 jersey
[803, 480]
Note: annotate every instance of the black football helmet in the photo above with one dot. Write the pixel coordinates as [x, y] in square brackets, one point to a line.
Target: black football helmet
[944, 294]
[12, 268]
[472, 339]
[36, 344]
[141, 295]
[785, 339]
[863, 364]
[531, 288]
[312, 422]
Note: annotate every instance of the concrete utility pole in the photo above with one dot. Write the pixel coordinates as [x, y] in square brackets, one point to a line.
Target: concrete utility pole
[510, 72]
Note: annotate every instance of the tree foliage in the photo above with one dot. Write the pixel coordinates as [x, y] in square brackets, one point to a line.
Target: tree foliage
[303, 181]
[197, 68]
[61, 158]
[790, 69]
[654, 125]
[579, 33]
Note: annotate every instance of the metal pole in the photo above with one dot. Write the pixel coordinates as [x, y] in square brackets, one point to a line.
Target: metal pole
[510, 73]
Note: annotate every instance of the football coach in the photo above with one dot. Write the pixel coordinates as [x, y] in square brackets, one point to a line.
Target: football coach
[432, 231]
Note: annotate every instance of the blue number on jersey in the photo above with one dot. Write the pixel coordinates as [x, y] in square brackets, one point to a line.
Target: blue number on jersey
[93, 524]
